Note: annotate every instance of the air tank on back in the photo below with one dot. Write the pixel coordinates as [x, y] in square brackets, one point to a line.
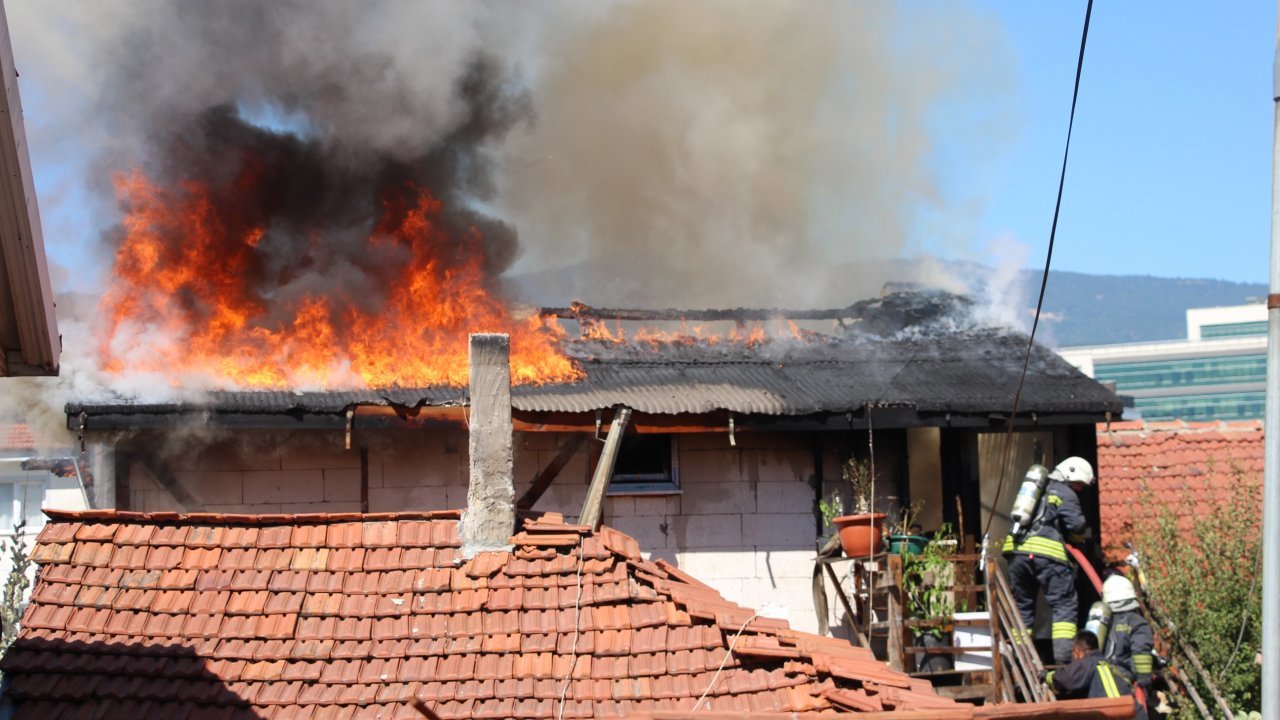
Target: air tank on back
[1099, 622]
[1024, 506]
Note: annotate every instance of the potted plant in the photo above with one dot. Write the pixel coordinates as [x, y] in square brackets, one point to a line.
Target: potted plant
[904, 537]
[860, 533]
[927, 579]
[831, 507]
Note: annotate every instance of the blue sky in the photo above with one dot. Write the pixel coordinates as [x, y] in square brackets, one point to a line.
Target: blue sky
[1170, 169]
[1170, 165]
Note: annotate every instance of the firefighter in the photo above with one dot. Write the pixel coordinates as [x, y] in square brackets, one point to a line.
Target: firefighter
[1038, 558]
[1130, 641]
[1089, 676]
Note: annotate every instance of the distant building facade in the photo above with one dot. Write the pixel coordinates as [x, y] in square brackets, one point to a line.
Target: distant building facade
[1218, 373]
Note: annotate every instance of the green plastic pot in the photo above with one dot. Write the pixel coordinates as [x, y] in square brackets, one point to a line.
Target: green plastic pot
[907, 544]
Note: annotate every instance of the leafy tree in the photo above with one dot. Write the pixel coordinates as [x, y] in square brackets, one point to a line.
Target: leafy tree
[15, 585]
[1201, 558]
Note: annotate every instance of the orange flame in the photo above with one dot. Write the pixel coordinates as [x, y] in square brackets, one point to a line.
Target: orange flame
[187, 308]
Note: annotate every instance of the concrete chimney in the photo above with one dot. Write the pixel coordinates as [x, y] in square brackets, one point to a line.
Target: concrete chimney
[489, 519]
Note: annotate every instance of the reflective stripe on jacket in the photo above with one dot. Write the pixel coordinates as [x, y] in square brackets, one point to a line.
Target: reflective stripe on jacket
[1059, 518]
[1130, 644]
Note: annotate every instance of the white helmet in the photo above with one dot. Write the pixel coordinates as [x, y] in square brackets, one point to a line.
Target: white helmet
[1073, 469]
[1117, 590]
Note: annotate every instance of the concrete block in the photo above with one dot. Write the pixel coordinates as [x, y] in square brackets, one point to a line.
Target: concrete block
[213, 487]
[566, 499]
[706, 532]
[411, 469]
[782, 564]
[662, 505]
[419, 498]
[796, 530]
[784, 497]
[528, 463]
[777, 465]
[707, 564]
[283, 486]
[240, 509]
[240, 451]
[650, 531]
[619, 506]
[318, 452]
[717, 498]
[324, 507]
[342, 485]
[705, 466]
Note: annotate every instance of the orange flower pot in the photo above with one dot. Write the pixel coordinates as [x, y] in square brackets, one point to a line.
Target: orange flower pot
[860, 535]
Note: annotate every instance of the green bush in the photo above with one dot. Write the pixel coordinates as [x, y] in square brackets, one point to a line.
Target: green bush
[15, 585]
[1201, 562]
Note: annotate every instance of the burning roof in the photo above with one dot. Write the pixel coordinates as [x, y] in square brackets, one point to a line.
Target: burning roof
[917, 352]
[309, 616]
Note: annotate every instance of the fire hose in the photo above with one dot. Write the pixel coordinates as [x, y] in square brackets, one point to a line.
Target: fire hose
[1092, 574]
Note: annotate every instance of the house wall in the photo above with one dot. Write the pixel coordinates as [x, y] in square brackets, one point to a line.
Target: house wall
[743, 521]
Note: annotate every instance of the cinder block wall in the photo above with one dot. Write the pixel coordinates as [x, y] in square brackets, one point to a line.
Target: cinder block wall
[743, 521]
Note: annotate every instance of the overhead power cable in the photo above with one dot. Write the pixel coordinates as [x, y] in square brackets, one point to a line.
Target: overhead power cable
[1048, 260]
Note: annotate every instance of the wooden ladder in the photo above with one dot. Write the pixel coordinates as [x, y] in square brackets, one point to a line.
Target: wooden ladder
[1015, 663]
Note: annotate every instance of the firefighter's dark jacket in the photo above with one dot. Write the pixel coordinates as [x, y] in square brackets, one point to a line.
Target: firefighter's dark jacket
[1059, 519]
[1089, 677]
[1129, 645]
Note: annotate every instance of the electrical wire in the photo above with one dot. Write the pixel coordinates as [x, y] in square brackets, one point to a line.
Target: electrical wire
[728, 653]
[577, 631]
[1048, 260]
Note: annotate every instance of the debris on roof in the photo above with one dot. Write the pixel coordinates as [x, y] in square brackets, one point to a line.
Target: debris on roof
[355, 616]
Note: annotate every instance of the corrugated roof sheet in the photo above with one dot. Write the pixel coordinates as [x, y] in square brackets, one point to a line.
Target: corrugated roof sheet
[963, 372]
[350, 616]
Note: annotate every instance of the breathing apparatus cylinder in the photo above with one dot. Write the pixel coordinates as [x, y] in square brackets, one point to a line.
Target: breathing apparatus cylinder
[1024, 506]
[1099, 622]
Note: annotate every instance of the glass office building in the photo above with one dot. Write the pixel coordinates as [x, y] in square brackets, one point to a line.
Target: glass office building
[1218, 373]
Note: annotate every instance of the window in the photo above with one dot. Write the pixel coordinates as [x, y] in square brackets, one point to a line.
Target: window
[646, 465]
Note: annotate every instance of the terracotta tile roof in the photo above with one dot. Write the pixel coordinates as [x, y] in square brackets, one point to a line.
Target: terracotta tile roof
[1139, 461]
[311, 616]
[16, 437]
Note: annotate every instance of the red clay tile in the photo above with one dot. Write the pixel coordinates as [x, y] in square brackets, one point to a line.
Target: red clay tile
[250, 579]
[416, 558]
[162, 558]
[215, 580]
[240, 537]
[59, 532]
[164, 626]
[284, 603]
[205, 536]
[201, 558]
[275, 537]
[176, 579]
[309, 536]
[173, 601]
[312, 650]
[278, 626]
[247, 603]
[345, 535]
[353, 628]
[97, 532]
[310, 559]
[358, 605]
[346, 559]
[238, 558]
[325, 582]
[317, 628]
[275, 559]
[240, 626]
[170, 535]
[379, 534]
[382, 559]
[288, 581]
[203, 625]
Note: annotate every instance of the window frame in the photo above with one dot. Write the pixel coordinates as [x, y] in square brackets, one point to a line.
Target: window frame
[650, 484]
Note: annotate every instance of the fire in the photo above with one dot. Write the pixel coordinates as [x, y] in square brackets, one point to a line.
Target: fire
[184, 303]
[749, 335]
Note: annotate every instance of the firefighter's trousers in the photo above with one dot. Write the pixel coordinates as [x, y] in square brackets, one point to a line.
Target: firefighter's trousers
[1028, 574]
